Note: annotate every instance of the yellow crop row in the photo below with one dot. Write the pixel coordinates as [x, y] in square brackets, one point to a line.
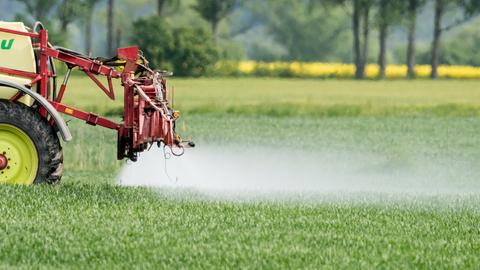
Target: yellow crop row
[338, 70]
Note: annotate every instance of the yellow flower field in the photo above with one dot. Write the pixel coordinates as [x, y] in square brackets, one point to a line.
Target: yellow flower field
[339, 70]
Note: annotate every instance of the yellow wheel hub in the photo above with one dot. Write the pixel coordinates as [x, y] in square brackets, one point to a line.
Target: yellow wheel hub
[18, 156]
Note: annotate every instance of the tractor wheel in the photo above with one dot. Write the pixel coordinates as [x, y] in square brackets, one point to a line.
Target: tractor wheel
[30, 152]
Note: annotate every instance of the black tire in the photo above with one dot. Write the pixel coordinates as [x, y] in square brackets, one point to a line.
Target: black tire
[43, 136]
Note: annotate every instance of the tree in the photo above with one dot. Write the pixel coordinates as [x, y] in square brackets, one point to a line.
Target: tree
[382, 30]
[190, 58]
[412, 9]
[437, 32]
[366, 31]
[188, 51]
[39, 9]
[389, 12]
[303, 31]
[470, 9]
[161, 4]
[462, 48]
[360, 30]
[88, 7]
[360, 21]
[357, 44]
[155, 38]
[110, 28]
[67, 13]
[213, 11]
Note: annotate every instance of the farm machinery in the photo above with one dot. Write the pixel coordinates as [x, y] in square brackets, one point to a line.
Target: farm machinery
[31, 105]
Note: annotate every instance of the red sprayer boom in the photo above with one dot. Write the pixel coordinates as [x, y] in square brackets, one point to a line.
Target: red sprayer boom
[147, 117]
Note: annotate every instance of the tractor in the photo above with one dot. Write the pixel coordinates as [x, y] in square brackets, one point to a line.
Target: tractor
[31, 108]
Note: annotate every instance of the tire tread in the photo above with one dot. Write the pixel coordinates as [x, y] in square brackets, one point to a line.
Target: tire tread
[43, 135]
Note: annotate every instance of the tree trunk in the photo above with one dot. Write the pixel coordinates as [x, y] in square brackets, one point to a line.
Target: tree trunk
[382, 61]
[366, 29]
[88, 30]
[160, 6]
[412, 30]
[437, 34]
[110, 8]
[118, 38]
[383, 32]
[64, 21]
[357, 54]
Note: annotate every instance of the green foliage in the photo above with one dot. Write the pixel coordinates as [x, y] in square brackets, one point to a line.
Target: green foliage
[87, 6]
[162, 5]
[194, 52]
[267, 30]
[55, 36]
[68, 12]
[393, 11]
[308, 33]
[214, 11]
[470, 7]
[225, 69]
[155, 38]
[187, 51]
[39, 9]
[267, 52]
[230, 50]
[462, 48]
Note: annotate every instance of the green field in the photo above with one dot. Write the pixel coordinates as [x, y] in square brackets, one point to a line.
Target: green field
[289, 97]
[422, 128]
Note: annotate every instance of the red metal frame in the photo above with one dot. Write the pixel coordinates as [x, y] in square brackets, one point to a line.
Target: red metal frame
[148, 117]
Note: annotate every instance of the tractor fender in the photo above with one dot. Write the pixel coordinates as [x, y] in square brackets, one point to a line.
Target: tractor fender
[59, 122]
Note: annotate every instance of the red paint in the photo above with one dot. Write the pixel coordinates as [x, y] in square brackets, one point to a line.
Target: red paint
[147, 118]
[20, 33]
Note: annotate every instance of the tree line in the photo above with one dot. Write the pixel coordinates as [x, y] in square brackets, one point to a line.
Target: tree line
[69, 11]
[364, 15]
[388, 13]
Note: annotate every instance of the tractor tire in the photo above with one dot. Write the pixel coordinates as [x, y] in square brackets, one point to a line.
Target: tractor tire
[30, 151]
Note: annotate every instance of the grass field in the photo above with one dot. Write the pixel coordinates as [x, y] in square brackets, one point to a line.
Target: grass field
[421, 127]
[282, 97]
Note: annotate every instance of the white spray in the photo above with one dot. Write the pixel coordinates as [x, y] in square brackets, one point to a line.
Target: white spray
[255, 171]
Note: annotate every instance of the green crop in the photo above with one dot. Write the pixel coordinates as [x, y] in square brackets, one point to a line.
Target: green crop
[91, 222]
